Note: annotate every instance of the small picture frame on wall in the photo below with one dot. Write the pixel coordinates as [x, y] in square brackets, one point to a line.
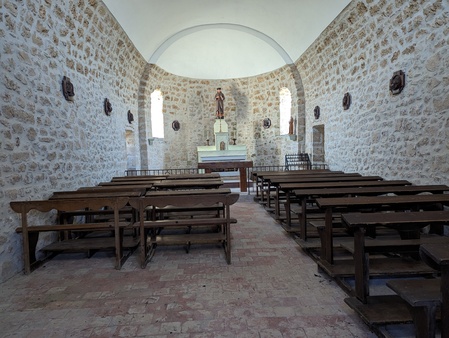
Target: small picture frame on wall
[107, 107]
[176, 125]
[397, 82]
[67, 89]
[266, 123]
[346, 101]
[316, 112]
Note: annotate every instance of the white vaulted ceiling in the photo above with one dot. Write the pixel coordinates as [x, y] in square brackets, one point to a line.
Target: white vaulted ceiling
[223, 39]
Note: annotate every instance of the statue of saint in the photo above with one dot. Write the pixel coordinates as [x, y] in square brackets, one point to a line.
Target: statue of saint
[290, 126]
[219, 98]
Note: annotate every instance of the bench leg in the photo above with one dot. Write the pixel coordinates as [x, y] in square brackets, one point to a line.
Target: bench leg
[119, 258]
[29, 250]
[227, 228]
[187, 247]
[424, 320]
[143, 247]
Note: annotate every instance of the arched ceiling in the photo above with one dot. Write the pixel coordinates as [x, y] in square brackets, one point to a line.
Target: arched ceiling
[223, 39]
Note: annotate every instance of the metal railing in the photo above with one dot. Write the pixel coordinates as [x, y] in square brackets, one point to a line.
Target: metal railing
[298, 161]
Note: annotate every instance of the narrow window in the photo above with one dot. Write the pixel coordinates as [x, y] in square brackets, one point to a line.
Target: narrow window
[157, 118]
[285, 108]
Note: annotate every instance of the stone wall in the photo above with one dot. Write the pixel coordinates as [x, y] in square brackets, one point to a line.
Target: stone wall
[46, 142]
[401, 136]
[248, 101]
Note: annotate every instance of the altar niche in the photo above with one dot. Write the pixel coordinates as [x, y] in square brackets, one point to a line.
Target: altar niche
[220, 148]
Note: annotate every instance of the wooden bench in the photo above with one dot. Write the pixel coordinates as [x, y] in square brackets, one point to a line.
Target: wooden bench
[257, 176]
[426, 296]
[188, 212]
[396, 245]
[31, 227]
[424, 299]
[306, 196]
[151, 228]
[295, 189]
[361, 222]
[242, 166]
[402, 202]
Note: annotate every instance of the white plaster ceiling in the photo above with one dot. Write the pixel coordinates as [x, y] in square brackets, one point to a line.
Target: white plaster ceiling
[223, 39]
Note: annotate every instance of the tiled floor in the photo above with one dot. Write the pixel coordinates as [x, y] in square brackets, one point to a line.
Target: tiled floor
[271, 289]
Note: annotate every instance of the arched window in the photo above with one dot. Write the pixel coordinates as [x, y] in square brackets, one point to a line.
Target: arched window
[285, 109]
[157, 118]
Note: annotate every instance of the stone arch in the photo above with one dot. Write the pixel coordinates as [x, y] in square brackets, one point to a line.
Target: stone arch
[191, 30]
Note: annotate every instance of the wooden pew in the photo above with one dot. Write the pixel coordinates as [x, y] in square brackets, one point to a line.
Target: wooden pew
[165, 176]
[189, 211]
[115, 188]
[403, 202]
[308, 196]
[193, 176]
[266, 187]
[138, 178]
[425, 296]
[361, 247]
[258, 175]
[188, 184]
[288, 189]
[242, 166]
[151, 227]
[30, 231]
[89, 194]
[273, 182]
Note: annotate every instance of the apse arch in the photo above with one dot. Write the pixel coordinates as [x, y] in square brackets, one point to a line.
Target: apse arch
[191, 30]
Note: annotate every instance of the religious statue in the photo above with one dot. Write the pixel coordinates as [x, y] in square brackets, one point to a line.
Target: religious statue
[219, 98]
[290, 126]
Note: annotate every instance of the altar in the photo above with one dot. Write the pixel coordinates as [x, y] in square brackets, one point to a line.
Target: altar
[224, 154]
[222, 149]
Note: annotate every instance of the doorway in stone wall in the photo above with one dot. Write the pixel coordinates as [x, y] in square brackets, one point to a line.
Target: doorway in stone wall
[318, 155]
[131, 153]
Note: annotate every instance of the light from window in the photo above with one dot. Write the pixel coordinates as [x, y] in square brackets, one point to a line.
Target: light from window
[285, 108]
[157, 118]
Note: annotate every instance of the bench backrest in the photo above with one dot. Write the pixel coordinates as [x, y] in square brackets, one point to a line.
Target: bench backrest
[184, 201]
[68, 205]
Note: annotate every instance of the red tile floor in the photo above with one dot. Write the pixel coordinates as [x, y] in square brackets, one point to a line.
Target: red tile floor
[271, 289]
